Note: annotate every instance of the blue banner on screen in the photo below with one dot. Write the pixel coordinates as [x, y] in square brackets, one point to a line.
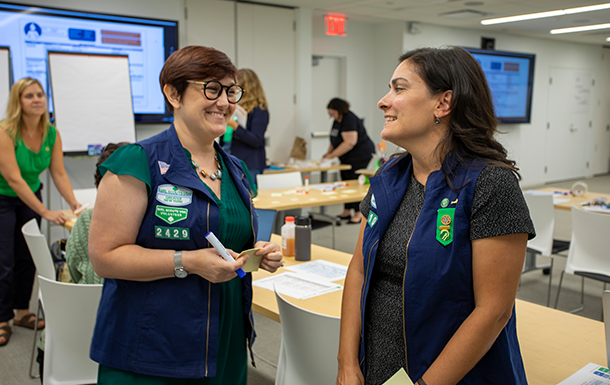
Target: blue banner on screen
[510, 77]
[31, 32]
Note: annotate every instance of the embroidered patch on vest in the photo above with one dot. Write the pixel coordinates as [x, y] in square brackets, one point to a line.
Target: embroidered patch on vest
[174, 195]
[171, 214]
[373, 202]
[445, 203]
[163, 167]
[444, 226]
[372, 219]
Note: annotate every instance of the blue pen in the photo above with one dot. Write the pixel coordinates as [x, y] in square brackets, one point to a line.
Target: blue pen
[560, 192]
[223, 251]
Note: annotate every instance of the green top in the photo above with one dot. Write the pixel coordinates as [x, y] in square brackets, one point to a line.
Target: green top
[31, 164]
[235, 232]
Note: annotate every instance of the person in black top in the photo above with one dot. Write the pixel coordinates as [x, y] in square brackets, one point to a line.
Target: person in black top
[350, 143]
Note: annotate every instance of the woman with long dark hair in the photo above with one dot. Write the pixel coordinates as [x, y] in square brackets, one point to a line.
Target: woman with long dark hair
[432, 284]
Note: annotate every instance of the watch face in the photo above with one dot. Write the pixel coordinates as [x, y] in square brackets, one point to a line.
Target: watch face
[180, 273]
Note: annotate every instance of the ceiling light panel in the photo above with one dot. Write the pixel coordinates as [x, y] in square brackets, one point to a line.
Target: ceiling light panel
[540, 15]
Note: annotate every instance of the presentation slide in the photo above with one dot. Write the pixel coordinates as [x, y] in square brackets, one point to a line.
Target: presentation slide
[508, 79]
[31, 36]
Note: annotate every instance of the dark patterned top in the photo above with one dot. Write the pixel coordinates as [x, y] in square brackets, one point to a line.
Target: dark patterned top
[497, 194]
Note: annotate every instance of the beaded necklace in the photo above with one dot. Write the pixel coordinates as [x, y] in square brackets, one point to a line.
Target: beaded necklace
[205, 174]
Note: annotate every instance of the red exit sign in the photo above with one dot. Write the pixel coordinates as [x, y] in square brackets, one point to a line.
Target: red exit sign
[335, 25]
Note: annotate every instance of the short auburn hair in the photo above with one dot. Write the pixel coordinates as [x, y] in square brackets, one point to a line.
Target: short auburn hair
[194, 63]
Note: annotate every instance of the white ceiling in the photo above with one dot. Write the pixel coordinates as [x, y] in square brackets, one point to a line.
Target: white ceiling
[437, 11]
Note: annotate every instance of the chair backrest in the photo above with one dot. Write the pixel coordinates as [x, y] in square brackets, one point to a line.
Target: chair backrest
[606, 310]
[286, 179]
[588, 247]
[542, 213]
[70, 313]
[310, 343]
[86, 195]
[39, 248]
[266, 220]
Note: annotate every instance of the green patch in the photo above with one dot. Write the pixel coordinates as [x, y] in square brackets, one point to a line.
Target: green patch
[444, 226]
[372, 219]
[177, 233]
[171, 215]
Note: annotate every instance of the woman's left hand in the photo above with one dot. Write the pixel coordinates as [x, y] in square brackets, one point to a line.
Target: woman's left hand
[272, 256]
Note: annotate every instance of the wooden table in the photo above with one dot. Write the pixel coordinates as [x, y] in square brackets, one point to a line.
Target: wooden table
[309, 169]
[554, 344]
[281, 199]
[574, 200]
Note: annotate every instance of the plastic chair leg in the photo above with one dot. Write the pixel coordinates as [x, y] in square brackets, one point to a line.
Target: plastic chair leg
[548, 297]
[34, 344]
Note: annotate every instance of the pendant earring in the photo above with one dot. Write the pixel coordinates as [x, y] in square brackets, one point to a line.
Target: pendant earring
[437, 121]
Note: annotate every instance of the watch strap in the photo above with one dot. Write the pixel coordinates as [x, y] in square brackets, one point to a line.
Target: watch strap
[179, 270]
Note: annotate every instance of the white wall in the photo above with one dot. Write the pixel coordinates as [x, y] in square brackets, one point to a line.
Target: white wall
[526, 141]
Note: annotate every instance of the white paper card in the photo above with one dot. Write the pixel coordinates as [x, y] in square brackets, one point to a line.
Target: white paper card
[297, 286]
[321, 269]
[590, 374]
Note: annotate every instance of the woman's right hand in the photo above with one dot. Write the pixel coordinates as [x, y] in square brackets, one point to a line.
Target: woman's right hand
[210, 265]
[350, 376]
[57, 217]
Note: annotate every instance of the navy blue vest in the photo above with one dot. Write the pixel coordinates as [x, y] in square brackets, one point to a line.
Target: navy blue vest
[169, 327]
[438, 288]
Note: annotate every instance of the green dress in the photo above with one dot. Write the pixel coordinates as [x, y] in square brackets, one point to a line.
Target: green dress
[235, 232]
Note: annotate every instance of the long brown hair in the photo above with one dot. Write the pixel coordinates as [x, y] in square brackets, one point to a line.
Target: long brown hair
[472, 122]
[13, 123]
[254, 96]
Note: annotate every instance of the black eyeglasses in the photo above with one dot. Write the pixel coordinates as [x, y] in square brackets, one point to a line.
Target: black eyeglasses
[213, 89]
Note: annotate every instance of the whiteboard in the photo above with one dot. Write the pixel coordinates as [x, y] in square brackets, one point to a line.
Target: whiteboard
[5, 79]
[92, 100]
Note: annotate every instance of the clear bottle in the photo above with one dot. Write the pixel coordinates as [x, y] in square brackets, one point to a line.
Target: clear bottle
[288, 237]
[302, 239]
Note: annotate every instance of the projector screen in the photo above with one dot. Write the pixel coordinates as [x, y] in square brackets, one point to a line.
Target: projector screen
[32, 31]
[511, 77]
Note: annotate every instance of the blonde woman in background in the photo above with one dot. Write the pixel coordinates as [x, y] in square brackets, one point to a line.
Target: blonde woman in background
[249, 142]
[29, 144]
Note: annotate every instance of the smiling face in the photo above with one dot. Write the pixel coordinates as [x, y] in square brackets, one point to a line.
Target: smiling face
[198, 113]
[409, 109]
[33, 101]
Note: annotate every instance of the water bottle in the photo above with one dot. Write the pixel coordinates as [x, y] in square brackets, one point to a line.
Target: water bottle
[288, 237]
[302, 239]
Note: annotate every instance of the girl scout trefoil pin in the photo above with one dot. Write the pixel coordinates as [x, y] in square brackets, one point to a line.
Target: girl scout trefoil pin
[444, 223]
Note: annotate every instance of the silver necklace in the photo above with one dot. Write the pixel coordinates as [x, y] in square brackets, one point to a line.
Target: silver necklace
[205, 174]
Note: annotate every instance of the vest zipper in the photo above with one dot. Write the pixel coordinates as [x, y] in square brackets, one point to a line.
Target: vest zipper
[250, 315]
[404, 277]
[362, 294]
[207, 339]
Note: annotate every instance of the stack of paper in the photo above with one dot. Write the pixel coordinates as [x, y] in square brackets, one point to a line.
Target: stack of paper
[307, 280]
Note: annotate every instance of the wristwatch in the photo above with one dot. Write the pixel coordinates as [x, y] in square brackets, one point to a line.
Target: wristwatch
[179, 271]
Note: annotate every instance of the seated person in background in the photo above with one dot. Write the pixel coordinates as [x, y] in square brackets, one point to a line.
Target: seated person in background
[77, 254]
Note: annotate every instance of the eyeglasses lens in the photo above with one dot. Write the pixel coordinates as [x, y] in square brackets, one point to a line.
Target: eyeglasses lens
[213, 90]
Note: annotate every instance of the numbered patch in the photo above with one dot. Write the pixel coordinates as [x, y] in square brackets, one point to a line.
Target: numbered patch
[176, 233]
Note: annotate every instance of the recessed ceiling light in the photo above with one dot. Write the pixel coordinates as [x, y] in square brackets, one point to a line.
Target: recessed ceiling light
[608, 39]
[582, 28]
[540, 15]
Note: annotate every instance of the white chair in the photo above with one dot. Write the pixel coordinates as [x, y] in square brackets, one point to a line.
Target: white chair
[287, 179]
[542, 212]
[41, 255]
[70, 311]
[588, 256]
[310, 343]
[280, 180]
